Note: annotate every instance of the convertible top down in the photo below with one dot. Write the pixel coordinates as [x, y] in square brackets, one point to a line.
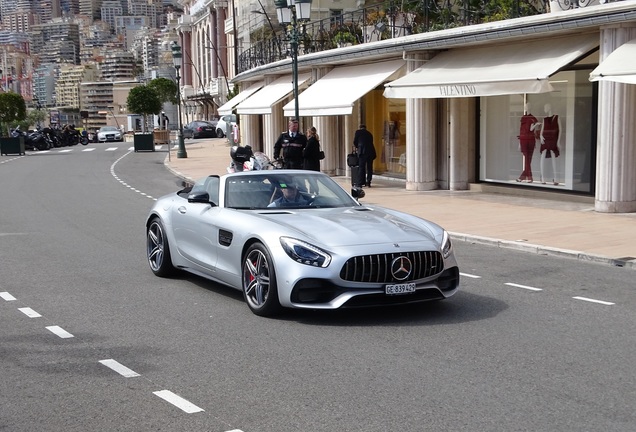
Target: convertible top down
[321, 249]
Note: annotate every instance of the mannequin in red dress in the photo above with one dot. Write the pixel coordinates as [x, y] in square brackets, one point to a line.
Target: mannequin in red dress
[550, 142]
[528, 133]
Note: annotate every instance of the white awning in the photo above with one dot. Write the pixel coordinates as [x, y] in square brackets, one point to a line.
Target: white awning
[261, 102]
[228, 106]
[337, 91]
[513, 68]
[619, 66]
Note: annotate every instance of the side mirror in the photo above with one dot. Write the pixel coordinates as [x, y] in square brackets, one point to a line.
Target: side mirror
[357, 192]
[200, 197]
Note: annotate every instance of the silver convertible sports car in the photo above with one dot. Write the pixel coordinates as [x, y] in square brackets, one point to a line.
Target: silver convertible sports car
[297, 239]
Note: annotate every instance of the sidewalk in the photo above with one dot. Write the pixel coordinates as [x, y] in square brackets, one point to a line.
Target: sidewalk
[542, 226]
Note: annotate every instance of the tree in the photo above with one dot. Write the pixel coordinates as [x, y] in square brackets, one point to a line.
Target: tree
[144, 100]
[33, 117]
[166, 89]
[12, 109]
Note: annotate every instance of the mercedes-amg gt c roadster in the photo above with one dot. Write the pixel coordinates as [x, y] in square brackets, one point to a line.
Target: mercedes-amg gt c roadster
[297, 239]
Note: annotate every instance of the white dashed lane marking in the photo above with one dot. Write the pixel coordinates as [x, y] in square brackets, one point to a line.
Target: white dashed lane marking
[468, 275]
[6, 296]
[593, 301]
[119, 368]
[178, 401]
[29, 312]
[89, 149]
[59, 331]
[112, 172]
[523, 286]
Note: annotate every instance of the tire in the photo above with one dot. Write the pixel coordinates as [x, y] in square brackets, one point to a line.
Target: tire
[158, 250]
[220, 133]
[259, 282]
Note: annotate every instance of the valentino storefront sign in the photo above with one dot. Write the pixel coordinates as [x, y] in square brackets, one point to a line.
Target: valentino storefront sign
[457, 90]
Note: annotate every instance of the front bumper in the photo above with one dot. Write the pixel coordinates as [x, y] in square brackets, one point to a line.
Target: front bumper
[312, 293]
[109, 137]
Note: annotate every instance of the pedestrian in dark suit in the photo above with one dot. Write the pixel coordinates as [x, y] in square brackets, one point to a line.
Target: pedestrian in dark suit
[363, 143]
[290, 146]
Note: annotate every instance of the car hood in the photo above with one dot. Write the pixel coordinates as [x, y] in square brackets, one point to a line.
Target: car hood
[354, 226]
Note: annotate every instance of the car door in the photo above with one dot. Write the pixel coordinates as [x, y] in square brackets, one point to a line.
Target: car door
[196, 231]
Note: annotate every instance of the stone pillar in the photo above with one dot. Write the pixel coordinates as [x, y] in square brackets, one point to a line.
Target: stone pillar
[219, 41]
[351, 123]
[187, 67]
[327, 128]
[616, 149]
[249, 132]
[421, 125]
[273, 124]
[462, 139]
[212, 43]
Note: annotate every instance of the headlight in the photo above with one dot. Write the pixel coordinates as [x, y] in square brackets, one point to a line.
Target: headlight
[305, 253]
[446, 245]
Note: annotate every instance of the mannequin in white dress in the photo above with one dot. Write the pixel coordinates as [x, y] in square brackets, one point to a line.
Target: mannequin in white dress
[550, 142]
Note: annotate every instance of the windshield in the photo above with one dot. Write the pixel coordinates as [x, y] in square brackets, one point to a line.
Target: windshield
[270, 191]
[109, 129]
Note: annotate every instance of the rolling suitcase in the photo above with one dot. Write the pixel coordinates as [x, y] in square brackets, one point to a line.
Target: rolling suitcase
[353, 162]
[355, 174]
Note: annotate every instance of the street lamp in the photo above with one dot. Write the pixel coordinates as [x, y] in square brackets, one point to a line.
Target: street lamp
[292, 14]
[176, 59]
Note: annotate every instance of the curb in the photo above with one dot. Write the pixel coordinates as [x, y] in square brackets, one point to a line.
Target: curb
[543, 250]
[506, 244]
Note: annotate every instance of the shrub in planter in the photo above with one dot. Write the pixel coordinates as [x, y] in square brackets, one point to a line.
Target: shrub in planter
[12, 109]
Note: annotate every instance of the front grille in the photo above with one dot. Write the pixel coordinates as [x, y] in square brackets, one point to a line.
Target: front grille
[377, 268]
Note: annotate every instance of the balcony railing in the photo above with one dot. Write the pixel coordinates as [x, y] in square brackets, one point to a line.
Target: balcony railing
[393, 19]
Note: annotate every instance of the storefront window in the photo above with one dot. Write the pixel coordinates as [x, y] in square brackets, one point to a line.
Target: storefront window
[541, 140]
[393, 140]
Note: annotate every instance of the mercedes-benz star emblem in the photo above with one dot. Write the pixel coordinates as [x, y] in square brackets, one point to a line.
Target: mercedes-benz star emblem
[401, 268]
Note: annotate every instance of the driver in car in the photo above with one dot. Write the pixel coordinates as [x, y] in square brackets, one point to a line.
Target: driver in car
[291, 197]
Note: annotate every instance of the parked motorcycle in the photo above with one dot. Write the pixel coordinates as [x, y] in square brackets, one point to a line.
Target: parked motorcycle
[244, 159]
[33, 140]
[71, 136]
[53, 137]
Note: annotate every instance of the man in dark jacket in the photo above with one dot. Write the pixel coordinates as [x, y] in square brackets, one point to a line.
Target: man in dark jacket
[290, 146]
[363, 142]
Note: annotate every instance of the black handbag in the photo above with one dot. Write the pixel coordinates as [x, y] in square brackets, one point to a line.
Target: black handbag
[321, 155]
[353, 160]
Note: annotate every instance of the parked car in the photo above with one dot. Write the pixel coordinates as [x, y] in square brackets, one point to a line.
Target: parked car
[109, 133]
[222, 124]
[200, 129]
[319, 250]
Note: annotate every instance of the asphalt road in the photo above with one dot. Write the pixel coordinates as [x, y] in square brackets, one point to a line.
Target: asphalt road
[91, 340]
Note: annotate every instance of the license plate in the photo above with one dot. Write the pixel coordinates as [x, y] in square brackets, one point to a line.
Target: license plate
[405, 288]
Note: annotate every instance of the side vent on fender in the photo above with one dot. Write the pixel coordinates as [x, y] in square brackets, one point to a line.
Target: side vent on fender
[225, 238]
